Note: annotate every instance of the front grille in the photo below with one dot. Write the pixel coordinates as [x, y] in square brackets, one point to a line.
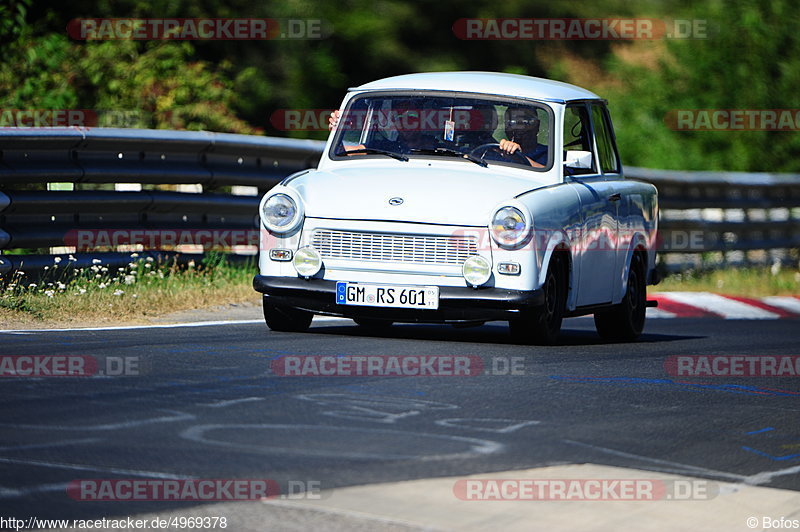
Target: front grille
[389, 247]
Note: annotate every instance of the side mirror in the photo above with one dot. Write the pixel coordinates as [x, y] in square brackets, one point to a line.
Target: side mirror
[578, 159]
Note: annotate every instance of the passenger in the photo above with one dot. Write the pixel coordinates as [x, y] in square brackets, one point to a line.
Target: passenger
[483, 122]
[402, 135]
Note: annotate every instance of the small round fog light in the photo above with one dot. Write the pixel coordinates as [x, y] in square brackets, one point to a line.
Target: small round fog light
[307, 261]
[476, 270]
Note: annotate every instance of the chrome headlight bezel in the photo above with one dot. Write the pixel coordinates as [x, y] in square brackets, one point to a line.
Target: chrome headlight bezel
[510, 237]
[291, 202]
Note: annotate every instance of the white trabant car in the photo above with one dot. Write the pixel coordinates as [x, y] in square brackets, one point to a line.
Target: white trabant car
[462, 198]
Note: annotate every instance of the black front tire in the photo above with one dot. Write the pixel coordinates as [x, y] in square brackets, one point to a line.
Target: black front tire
[624, 322]
[286, 319]
[542, 326]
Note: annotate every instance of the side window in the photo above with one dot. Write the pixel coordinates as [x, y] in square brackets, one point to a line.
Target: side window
[578, 137]
[605, 140]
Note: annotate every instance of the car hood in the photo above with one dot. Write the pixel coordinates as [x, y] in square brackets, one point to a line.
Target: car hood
[430, 194]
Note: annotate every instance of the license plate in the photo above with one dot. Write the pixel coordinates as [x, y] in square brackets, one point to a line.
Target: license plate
[382, 295]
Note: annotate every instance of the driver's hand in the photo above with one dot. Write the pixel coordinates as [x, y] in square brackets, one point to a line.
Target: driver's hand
[509, 147]
[333, 120]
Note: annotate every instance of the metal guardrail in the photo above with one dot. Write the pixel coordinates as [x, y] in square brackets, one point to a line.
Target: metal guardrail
[31, 217]
[701, 212]
[154, 156]
[709, 219]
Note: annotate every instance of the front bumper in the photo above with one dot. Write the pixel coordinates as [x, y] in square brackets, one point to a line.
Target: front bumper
[456, 304]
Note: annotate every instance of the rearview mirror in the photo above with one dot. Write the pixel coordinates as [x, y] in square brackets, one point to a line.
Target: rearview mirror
[578, 159]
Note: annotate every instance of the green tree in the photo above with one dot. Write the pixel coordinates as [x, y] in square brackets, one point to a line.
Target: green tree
[750, 60]
[158, 84]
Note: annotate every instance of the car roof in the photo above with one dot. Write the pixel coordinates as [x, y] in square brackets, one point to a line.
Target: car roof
[496, 83]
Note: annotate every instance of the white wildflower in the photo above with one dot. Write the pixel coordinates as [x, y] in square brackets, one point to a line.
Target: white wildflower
[119, 292]
[57, 260]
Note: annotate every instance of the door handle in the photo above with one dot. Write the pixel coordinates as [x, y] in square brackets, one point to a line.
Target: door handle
[615, 197]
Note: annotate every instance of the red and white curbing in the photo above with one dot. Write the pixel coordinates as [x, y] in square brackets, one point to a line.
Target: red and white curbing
[708, 305]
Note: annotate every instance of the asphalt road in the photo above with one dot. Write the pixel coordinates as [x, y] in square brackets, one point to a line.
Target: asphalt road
[205, 404]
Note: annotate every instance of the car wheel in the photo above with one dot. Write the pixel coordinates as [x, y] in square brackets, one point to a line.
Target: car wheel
[372, 323]
[286, 319]
[625, 321]
[543, 325]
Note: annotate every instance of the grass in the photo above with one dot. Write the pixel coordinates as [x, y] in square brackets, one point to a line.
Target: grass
[749, 282]
[145, 290]
[137, 293]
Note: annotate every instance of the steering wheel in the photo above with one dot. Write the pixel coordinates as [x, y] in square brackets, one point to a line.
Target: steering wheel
[494, 146]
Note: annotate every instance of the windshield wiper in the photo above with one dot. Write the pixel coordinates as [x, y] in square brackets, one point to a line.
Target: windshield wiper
[451, 152]
[398, 156]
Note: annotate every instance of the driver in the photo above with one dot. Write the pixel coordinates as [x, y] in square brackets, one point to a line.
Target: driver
[522, 129]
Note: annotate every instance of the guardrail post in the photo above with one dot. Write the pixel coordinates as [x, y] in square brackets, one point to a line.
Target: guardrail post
[55, 250]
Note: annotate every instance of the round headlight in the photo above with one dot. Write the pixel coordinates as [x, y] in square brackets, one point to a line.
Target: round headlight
[279, 213]
[307, 261]
[509, 227]
[476, 270]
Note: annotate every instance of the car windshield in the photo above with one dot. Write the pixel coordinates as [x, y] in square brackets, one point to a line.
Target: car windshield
[467, 128]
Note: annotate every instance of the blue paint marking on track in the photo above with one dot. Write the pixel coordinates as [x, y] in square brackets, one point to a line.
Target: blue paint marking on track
[767, 429]
[770, 456]
[688, 386]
